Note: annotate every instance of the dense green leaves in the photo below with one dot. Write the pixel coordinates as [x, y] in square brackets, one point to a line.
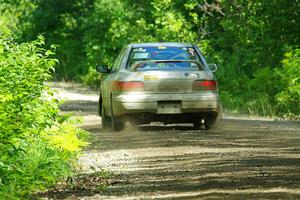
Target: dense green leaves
[255, 43]
[24, 68]
[31, 158]
[247, 39]
[289, 97]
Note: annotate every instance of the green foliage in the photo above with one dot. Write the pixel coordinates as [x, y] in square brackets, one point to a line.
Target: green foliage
[109, 26]
[247, 39]
[61, 22]
[23, 70]
[288, 98]
[92, 78]
[169, 24]
[66, 137]
[32, 155]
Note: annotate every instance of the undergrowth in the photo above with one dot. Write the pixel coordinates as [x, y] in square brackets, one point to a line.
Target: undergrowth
[38, 146]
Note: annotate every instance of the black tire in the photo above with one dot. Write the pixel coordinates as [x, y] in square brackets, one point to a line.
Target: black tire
[106, 121]
[100, 106]
[197, 124]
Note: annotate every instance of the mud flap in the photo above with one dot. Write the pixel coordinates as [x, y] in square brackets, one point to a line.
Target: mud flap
[116, 123]
[213, 120]
[106, 121]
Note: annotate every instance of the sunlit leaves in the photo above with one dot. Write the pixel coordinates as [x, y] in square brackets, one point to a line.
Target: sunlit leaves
[31, 160]
[289, 97]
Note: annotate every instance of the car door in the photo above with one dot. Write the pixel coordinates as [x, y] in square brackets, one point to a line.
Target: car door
[105, 85]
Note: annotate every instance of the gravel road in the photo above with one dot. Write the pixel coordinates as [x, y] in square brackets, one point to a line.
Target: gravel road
[241, 159]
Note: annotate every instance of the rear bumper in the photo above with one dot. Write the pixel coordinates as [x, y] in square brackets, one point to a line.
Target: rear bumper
[133, 103]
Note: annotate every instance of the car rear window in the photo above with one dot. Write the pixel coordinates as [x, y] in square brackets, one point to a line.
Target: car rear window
[164, 53]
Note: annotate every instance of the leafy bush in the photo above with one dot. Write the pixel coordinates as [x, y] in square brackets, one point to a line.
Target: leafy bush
[33, 153]
[92, 78]
[288, 98]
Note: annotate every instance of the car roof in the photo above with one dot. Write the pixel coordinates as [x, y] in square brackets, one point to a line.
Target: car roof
[157, 44]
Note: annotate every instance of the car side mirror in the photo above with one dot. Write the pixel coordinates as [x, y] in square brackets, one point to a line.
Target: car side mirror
[213, 67]
[102, 69]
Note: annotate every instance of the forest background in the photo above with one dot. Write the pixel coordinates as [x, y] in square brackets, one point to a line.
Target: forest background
[255, 43]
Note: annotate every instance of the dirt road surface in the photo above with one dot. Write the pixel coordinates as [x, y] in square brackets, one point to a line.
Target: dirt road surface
[241, 159]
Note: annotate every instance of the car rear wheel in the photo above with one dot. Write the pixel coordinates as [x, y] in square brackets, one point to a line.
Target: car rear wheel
[197, 124]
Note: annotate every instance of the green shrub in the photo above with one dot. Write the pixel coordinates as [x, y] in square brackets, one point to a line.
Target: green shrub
[232, 104]
[33, 153]
[92, 78]
[288, 98]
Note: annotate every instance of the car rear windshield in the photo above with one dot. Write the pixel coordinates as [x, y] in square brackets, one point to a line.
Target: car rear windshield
[172, 57]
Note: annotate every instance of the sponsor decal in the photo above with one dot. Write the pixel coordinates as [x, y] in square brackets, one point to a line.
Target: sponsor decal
[150, 78]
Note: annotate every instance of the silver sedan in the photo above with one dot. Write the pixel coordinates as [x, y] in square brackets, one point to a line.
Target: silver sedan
[165, 82]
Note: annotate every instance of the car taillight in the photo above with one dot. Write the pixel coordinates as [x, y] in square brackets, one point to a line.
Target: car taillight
[127, 86]
[205, 85]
